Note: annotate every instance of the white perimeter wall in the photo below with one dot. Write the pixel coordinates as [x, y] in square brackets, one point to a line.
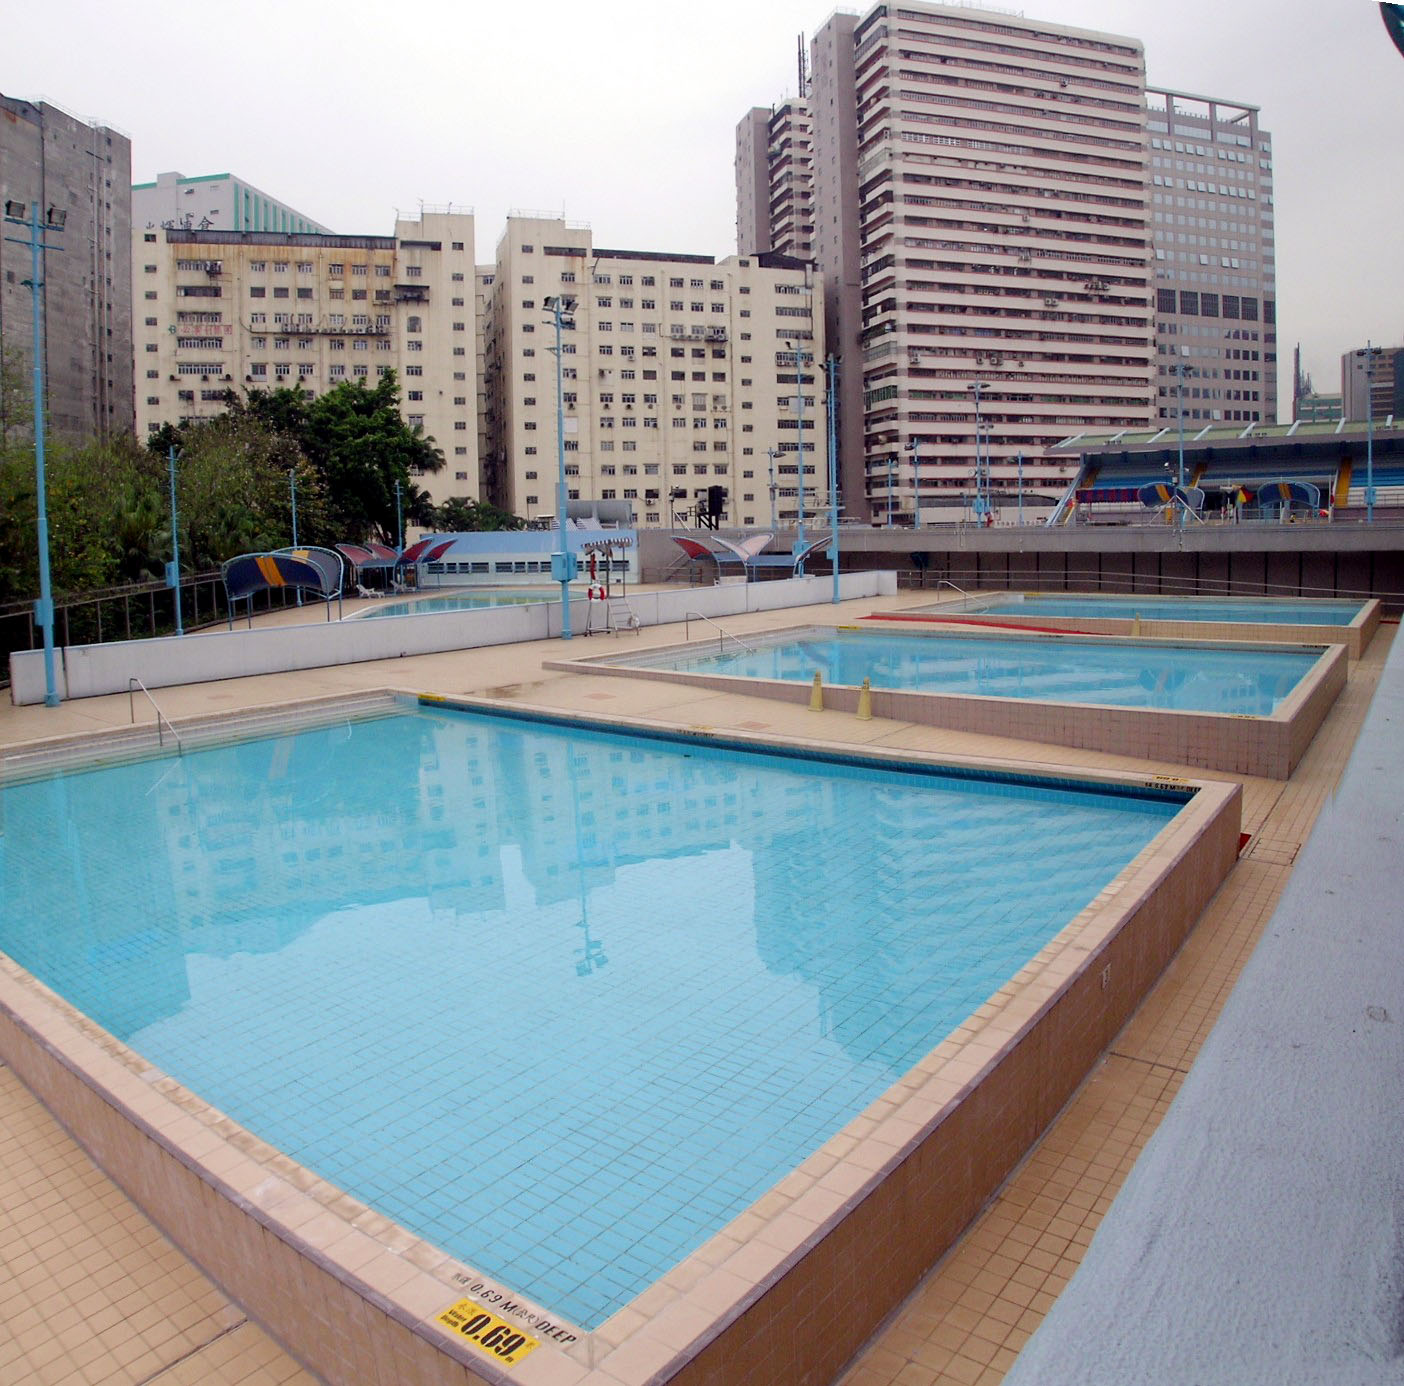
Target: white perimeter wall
[86, 671]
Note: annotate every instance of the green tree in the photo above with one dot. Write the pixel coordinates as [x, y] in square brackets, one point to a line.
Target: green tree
[459, 514]
[360, 446]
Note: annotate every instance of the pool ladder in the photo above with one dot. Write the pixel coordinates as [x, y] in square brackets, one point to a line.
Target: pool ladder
[722, 637]
[133, 684]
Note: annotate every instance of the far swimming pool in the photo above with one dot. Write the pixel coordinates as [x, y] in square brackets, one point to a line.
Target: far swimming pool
[1274, 611]
[1194, 678]
[461, 601]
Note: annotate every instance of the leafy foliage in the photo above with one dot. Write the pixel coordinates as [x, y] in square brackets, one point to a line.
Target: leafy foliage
[459, 515]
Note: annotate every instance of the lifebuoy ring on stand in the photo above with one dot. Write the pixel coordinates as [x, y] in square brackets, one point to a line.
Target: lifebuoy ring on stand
[595, 593]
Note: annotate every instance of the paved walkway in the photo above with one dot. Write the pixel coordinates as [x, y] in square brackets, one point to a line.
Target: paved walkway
[90, 1292]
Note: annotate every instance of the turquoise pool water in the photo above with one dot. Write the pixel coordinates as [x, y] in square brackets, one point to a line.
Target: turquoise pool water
[1273, 612]
[561, 1002]
[1185, 677]
[461, 601]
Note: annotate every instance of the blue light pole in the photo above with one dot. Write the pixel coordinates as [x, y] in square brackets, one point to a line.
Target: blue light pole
[561, 308]
[982, 504]
[1369, 353]
[831, 406]
[1019, 457]
[44, 607]
[1179, 368]
[292, 489]
[799, 435]
[173, 572]
[399, 517]
[916, 482]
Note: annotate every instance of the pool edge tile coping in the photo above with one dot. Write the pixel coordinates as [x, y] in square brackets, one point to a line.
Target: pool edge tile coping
[694, 1302]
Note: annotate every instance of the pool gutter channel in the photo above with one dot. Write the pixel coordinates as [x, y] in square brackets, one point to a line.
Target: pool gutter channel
[208, 1182]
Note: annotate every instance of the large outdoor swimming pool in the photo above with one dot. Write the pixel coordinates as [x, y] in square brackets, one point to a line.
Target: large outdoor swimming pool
[560, 1001]
[1273, 611]
[1196, 678]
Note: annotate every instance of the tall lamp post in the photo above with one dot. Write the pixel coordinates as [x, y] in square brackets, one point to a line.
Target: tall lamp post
[916, 482]
[44, 608]
[773, 453]
[292, 489]
[1369, 353]
[799, 355]
[173, 568]
[1180, 367]
[982, 503]
[891, 464]
[399, 517]
[562, 309]
[831, 408]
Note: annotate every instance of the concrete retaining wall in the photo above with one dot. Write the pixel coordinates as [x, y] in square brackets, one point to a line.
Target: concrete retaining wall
[87, 671]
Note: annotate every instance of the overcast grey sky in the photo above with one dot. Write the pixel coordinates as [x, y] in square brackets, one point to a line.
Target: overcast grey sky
[622, 113]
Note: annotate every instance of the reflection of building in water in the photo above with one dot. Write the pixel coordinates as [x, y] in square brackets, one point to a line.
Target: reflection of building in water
[309, 824]
[591, 803]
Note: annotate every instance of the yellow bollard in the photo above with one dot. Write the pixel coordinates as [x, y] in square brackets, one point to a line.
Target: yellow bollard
[1136, 624]
[865, 702]
[816, 694]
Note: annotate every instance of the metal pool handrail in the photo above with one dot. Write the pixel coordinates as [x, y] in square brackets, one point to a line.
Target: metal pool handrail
[723, 637]
[946, 582]
[133, 684]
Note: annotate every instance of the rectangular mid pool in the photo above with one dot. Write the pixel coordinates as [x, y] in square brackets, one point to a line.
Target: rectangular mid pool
[1218, 704]
[1109, 673]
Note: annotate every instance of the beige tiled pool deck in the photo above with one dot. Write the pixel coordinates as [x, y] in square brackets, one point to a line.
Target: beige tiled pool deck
[91, 1292]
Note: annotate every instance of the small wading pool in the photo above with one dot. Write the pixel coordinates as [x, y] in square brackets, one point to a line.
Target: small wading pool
[1219, 705]
[1318, 621]
[560, 1001]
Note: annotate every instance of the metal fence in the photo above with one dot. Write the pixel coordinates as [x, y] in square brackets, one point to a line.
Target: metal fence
[136, 611]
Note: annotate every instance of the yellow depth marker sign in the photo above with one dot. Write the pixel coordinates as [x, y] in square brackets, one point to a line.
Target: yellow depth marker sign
[487, 1331]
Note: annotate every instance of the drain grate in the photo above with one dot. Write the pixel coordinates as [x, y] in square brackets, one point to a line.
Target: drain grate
[1273, 851]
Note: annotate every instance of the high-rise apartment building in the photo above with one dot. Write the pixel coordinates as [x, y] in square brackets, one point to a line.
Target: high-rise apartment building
[1215, 260]
[1372, 383]
[678, 375]
[213, 201]
[1004, 248]
[775, 180]
[221, 310]
[981, 219]
[82, 170]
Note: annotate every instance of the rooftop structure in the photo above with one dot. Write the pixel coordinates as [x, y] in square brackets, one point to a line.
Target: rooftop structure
[214, 202]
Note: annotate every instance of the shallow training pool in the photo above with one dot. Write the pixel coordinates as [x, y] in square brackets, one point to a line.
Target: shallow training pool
[1273, 611]
[1193, 678]
[561, 1002]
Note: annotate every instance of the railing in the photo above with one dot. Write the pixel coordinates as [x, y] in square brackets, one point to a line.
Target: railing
[133, 684]
[723, 635]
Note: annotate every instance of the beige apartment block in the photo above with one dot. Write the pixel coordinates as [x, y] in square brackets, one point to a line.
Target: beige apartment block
[220, 310]
[678, 375]
[1215, 261]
